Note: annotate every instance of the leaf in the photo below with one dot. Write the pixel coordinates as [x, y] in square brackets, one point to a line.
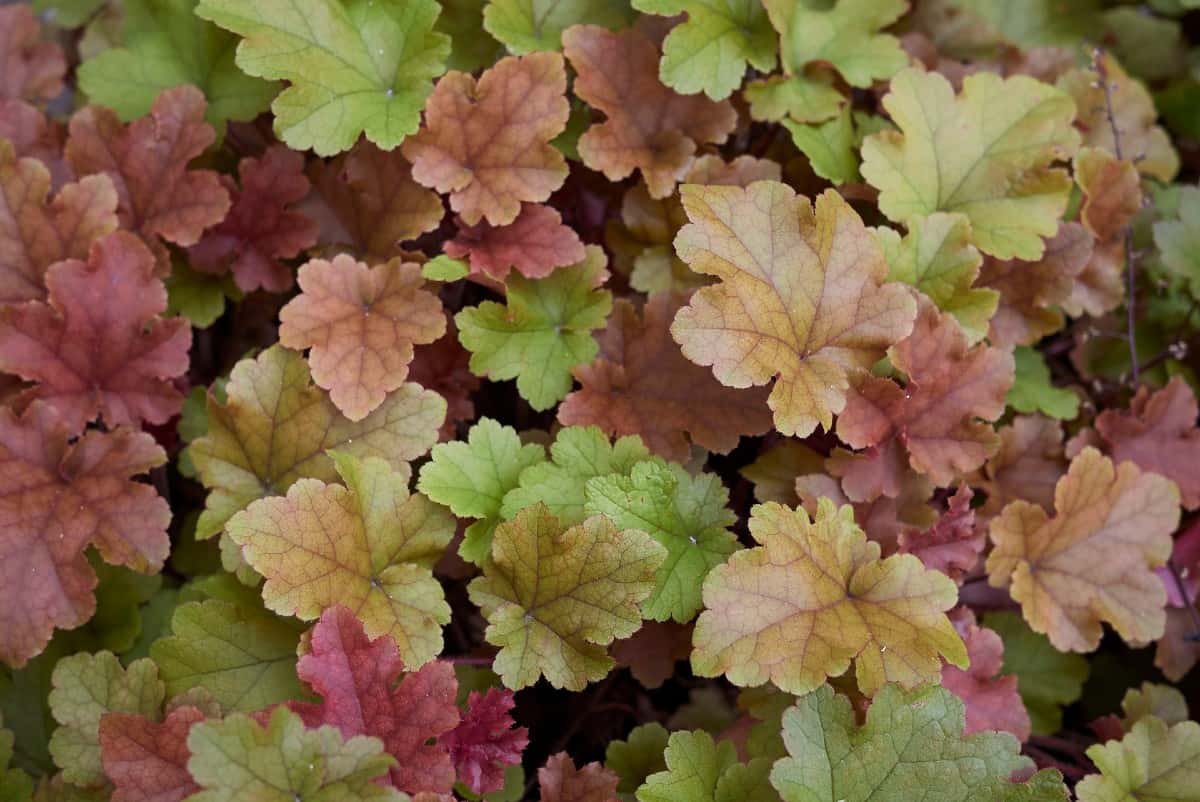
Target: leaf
[1163, 702]
[62, 498]
[487, 143]
[1047, 679]
[1032, 390]
[15, 784]
[686, 514]
[936, 256]
[577, 455]
[358, 67]
[33, 67]
[991, 698]
[525, 26]
[542, 331]
[261, 227]
[197, 296]
[820, 586]
[710, 51]
[649, 127]
[276, 427]
[1152, 762]
[535, 244]
[147, 761]
[1112, 191]
[829, 147]
[371, 202]
[953, 544]
[651, 653]
[774, 472]
[700, 770]
[554, 597]
[486, 742]
[472, 478]
[159, 198]
[1158, 434]
[243, 656]
[1091, 562]
[844, 35]
[239, 759]
[642, 385]
[1027, 465]
[815, 278]
[36, 232]
[165, 45]
[984, 153]
[637, 757]
[34, 135]
[368, 546]
[912, 740]
[99, 347]
[1178, 238]
[936, 416]
[443, 368]
[361, 324]
[808, 97]
[358, 680]
[560, 781]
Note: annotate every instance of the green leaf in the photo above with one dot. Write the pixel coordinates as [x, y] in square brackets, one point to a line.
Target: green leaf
[709, 52]
[637, 757]
[444, 268]
[528, 25]
[686, 514]
[936, 256]
[844, 34]
[802, 98]
[243, 655]
[577, 455]
[15, 785]
[1163, 702]
[354, 67]
[472, 479]
[199, 297]
[1032, 390]
[1047, 679]
[24, 706]
[471, 49]
[1039, 23]
[1153, 763]
[701, 770]
[829, 146]
[542, 331]
[86, 686]
[911, 742]
[1178, 240]
[237, 760]
[117, 622]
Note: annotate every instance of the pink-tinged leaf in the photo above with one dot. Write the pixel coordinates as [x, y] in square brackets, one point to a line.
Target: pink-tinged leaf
[560, 781]
[444, 367]
[57, 498]
[992, 700]
[100, 347]
[356, 679]
[35, 135]
[260, 228]
[146, 760]
[31, 68]
[485, 742]
[954, 543]
[533, 244]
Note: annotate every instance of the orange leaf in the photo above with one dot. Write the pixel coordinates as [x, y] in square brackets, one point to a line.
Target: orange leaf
[649, 127]
[58, 499]
[361, 324]
[534, 243]
[1027, 465]
[488, 143]
[31, 68]
[641, 384]
[560, 781]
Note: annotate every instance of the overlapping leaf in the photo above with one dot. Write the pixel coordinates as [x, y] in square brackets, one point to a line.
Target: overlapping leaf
[534, 244]
[33, 67]
[146, 760]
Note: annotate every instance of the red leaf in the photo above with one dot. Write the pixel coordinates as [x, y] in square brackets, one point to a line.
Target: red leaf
[991, 700]
[560, 781]
[34, 135]
[443, 367]
[99, 346]
[356, 679]
[953, 544]
[535, 243]
[147, 761]
[485, 741]
[260, 228]
[30, 68]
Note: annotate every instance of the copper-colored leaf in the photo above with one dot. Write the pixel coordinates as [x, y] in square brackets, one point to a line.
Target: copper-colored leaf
[649, 127]
[487, 143]
[991, 699]
[99, 346]
[31, 68]
[560, 781]
[1112, 192]
[1027, 465]
[953, 544]
[361, 324]
[651, 653]
[534, 243]
[641, 384]
[146, 760]
[443, 367]
[57, 499]
[35, 135]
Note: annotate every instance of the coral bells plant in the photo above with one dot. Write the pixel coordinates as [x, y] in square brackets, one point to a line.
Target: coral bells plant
[599, 401]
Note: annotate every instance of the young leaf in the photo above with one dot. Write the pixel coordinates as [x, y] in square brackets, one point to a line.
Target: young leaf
[238, 759]
[542, 331]
[33, 67]
[701, 770]
[1092, 561]
[1163, 702]
[361, 324]
[991, 699]
[525, 26]
[554, 597]
[560, 781]
[1152, 762]
[487, 143]
[815, 278]
[685, 513]
[830, 147]
[63, 498]
[985, 153]
[953, 544]
[368, 546]
[845, 35]
[485, 742]
[912, 741]
[36, 232]
[1032, 390]
[642, 385]
[535, 243]
[637, 757]
[147, 761]
[648, 127]
[99, 347]
[820, 586]
[359, 67]
[276, 427]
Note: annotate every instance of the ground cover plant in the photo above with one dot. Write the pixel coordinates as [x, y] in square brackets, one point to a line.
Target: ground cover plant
[595, 400]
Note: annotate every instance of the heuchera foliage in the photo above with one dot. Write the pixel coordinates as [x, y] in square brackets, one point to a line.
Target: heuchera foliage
[599, 400]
